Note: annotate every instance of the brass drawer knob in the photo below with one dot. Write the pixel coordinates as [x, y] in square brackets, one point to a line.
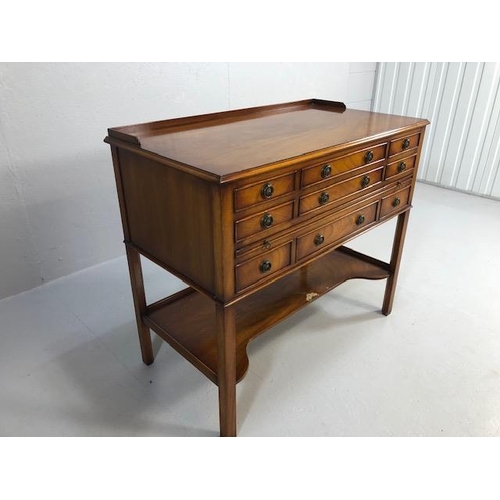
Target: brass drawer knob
[323, 198]
[406, 143]
[365, 181]
[326, 171]
[267, 190]
[266, 221]
[368, 156]
[319, 239]
[402, 167]
[396, 202]
[265, 266]
[360, 220]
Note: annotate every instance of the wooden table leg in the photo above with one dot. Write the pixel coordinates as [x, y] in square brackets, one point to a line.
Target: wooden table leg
[226, 369]
[397, 251]
[137, 282]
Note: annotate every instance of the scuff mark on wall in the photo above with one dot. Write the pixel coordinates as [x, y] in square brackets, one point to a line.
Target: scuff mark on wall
[27, 253]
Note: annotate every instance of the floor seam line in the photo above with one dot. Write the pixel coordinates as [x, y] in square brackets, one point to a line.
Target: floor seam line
[96, 337]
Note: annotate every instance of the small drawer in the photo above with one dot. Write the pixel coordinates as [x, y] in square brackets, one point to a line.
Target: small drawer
[340, 190]
[321, 171]
[325, 236]
[265, 190]
[400, 167]
[263, 221]
[263, 267]
[394, 202]
[404, 144]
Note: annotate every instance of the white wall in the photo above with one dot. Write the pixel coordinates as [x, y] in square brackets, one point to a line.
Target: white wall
[462, 102]
[58, 206]
[360, 85]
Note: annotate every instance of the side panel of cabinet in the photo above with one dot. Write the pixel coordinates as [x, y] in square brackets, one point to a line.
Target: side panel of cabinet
[170, 216]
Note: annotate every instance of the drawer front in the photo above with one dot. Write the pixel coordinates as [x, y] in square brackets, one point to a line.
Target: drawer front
[263, 267]
[395, 202]
[340, 190]
[402, 166]
[265, 190]
[263, 221]
[404, 144]
[325, 236]
[331, 168]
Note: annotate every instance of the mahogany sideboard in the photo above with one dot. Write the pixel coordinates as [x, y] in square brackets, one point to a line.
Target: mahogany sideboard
[251, 209]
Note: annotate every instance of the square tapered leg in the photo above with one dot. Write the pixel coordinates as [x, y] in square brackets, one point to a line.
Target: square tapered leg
[397, 252]
[137, 282]
[226, 369]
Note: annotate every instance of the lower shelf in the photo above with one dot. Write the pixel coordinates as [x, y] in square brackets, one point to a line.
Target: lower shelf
[186, 320]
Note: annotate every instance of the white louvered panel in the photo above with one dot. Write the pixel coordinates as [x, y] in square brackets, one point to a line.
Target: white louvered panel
[401, 88]
[492, 162]
[489, 154]
[471, 166]
[460, 132]
[415, 101]
[389, 87]
[428, 110]
[491, 182]
[448, 99]
[462, 102]
[495, 190]
[378, 90]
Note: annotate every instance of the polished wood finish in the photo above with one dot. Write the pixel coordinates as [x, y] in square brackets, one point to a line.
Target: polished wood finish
[170, 217]
[139, 296]
[265, 222]
[395, 202]
[404, 143]
[265, 190]
[401, 167]
[348, 163]
[225, 327]
[397, 252]
[251, 208]
[339, 192]
[189, 322]
[224, 145]
[325, 236]
[252, 271]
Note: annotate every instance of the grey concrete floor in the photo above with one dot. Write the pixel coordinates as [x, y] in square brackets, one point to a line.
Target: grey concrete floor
[70, 362]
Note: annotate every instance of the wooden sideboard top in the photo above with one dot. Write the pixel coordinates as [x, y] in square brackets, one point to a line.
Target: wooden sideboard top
[223, 145]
